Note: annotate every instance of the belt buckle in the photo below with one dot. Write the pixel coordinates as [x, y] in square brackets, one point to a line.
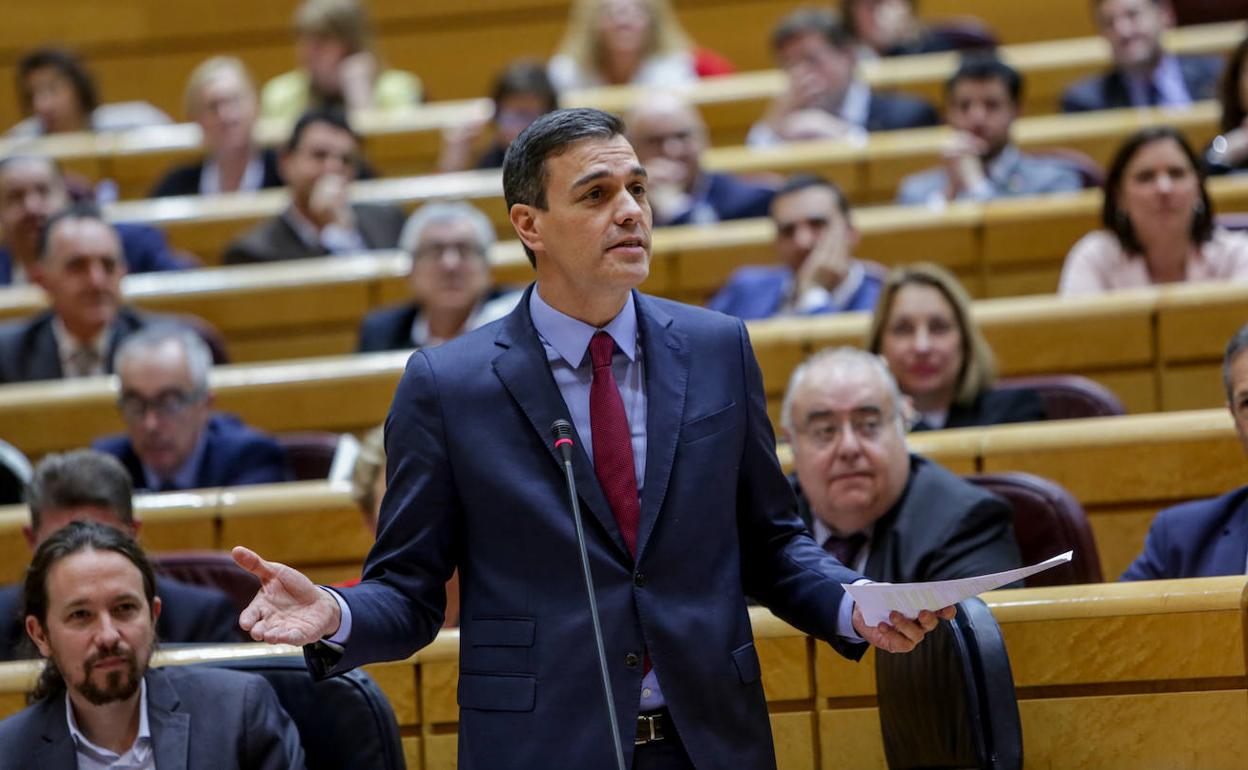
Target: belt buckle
[649, 729]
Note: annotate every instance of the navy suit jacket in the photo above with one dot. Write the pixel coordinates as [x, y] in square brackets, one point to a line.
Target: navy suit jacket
[889, 112]
[1109, 91]
[201, 719]
[143, 247]
[234, 455]
[758, 291]
[475, 484]
[732, 198]
[994, 407]
[189, 614]
[1197, 539]
[388, 328]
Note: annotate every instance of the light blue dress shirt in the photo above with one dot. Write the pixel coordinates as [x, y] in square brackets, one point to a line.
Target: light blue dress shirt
[185, 476]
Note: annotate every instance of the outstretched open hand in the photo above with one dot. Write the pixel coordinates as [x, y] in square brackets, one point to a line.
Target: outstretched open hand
[900, 634]
[288, 608]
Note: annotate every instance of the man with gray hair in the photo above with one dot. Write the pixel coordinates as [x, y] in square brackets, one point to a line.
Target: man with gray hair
[892, 515]
[1208, 537]
[173, 438]
[450, 286]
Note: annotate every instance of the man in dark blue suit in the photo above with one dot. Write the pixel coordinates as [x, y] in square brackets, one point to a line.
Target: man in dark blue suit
[825, 99]
[85, 485]
[31, 190]
[173, 438]
[1205, 537]
[1143, 75]
[687, 511]
[817, 272]
[670, 137]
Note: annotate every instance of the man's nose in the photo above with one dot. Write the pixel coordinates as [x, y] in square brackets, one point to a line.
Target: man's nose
[848, 445]
[106, 633]
[628, 210]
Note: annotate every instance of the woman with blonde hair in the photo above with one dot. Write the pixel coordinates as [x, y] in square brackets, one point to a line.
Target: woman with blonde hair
[923, 329]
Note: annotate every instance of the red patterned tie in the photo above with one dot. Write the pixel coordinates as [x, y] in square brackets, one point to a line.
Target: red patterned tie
[613, 442]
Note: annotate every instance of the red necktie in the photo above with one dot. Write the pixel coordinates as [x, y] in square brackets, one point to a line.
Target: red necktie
[613, 442]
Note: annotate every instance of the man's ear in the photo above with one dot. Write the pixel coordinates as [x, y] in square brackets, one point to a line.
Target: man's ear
[524, 218]
[38, 636]
[155, 609]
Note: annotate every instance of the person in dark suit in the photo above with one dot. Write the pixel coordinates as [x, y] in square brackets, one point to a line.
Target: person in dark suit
[80, 269]
[922, 326]
[895, 517]
[1205, 537]
[85, 485]
[474, 482]
[221, 98]
[1143, 75]
[173, 438]
[670, 137]
[319, 163]
[32, 189]
[522, 93]
[90, 606]
[825, 99]
[450, 286]
[817, 272]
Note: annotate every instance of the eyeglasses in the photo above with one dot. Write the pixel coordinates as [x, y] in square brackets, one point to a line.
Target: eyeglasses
[438, 250]
[169, 404]
[828, 431]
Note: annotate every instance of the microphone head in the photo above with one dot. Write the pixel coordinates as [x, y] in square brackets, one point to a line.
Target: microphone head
[561, 430]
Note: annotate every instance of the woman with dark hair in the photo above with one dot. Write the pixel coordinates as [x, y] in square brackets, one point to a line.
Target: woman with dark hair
[522, 94]
[1158, 223]
[59, 95]
[1228, 152]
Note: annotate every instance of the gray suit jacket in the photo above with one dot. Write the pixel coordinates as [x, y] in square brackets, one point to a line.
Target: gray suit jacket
[201, 719]
[1012, 173]
[28, 346]
[275, 239]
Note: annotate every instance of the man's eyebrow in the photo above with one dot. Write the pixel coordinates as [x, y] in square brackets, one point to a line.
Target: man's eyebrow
[640, 171]
[590, 177]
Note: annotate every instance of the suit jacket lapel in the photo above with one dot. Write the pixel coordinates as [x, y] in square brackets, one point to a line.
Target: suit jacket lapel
[522, 367]
[171, 728]
[45, 357]
[57, 748]
[667, 377]
[1231, 545]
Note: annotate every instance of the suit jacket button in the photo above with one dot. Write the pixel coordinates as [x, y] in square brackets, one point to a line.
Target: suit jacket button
[639, 580]
[631, 660]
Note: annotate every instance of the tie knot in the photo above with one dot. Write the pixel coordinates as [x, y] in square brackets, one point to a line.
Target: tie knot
[846, 549]
[601, 348]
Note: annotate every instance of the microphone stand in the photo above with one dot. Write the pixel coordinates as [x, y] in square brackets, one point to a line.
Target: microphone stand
[562, 431]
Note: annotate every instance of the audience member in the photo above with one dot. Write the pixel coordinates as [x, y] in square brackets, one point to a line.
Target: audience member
[58, 95]
[1158, 223]
[319, 163]
[91, 607]
[221, 98]
[1143, 74]
[669, 137]
[615, 42]
[173, 438]
[880, 510]
[1205, 537]
[79, 269]
[892, 28]
[339, 66]
[522, 94]
[1228, 152]
[32, 188]
[923, 329]
[825, 99]
[85, 485]
[818, 273]
[980, 161]
[15, 473]
[450, 287]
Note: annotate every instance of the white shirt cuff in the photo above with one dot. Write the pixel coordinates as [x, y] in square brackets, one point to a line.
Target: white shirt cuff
[344, 625]
[845, 615]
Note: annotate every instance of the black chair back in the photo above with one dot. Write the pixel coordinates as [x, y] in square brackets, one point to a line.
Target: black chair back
[950, 703]
[210, 569]
[1068, 396]
[344, 722]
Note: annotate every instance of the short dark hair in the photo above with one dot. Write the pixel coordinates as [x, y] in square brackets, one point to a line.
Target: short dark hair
[77, 478]
[1233, 112]
[329, 115]
[1117, 221]
[64, 62]
[1238, 344]
[799, 182]
[804, 21]
[78, 210]
[524, 77]
[524, 166]
[67, 541]
[987, 67]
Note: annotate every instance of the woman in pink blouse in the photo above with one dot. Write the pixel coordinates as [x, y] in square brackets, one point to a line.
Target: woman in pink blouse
[1158, 223]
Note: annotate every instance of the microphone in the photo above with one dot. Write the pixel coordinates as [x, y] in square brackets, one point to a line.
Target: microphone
[561, 431]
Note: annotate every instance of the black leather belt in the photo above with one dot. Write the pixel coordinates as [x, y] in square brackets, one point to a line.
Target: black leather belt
[653, 726]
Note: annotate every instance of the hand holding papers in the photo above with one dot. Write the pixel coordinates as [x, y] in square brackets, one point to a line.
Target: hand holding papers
[877, 600]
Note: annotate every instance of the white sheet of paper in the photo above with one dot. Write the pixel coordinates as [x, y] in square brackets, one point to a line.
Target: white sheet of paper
[877, 600]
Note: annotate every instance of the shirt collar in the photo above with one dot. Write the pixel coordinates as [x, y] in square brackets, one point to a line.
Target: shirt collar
[570, 337]
[210, 177]
[67, 344]
[83, 743]
[185, 476]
